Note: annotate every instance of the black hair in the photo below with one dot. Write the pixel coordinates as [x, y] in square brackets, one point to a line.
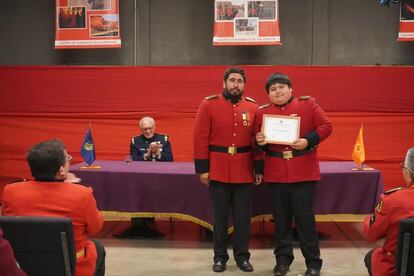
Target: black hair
[235, 70]
[46, 158]
[277, 78]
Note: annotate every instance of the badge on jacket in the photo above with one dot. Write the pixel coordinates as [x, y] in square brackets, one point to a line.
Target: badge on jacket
[246, 119]
[380, 206]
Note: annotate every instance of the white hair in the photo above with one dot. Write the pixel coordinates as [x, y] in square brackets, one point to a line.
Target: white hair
[147, 119]
[409, 161]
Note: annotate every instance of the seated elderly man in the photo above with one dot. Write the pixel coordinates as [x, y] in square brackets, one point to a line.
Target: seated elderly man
[395, 205]
[53, 193]
[149, 146]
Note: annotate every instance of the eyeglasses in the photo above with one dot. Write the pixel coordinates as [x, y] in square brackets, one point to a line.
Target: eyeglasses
[68, 158]
[147, 128]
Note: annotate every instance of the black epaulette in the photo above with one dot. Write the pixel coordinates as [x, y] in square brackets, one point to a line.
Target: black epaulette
[392, 190]
[250, 100]
[264, 106]
[303, 98]
[211, 97]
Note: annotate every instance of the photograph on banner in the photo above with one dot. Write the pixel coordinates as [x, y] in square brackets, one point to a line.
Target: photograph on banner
[104, 25]
[92, 4]
[246, 27]
[244, 22]
[264, 10]
[87, 24]
[228, 10]
[407, 10]
[406, 32]
[72, 17]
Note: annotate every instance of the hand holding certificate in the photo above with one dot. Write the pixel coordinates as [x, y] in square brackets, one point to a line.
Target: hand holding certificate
[280, 129]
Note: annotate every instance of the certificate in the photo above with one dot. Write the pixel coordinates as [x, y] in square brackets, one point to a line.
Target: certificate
[280, 129]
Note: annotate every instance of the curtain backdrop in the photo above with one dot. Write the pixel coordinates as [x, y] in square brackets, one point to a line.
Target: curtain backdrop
[38, 103]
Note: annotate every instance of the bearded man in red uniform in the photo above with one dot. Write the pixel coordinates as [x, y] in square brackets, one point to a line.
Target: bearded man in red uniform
[395, 205]
[223, 134]
[292, 171]
[54, 193]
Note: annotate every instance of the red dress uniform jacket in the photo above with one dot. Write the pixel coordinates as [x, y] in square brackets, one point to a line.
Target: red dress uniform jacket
[8, 265]
[222, 123]
[314, 125]
[60, 199]
[384, 224]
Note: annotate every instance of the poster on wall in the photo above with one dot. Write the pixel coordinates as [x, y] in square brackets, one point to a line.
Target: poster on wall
[87, 24]
[244, 22]
[406, 32]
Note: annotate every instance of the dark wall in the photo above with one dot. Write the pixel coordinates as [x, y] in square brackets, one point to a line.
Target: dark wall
[179, 32]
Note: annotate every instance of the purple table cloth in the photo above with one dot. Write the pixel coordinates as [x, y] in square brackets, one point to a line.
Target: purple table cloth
[174, 188]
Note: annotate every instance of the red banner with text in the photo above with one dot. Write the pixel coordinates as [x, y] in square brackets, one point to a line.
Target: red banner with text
[87, 24]
[243, 22]
[406, 32]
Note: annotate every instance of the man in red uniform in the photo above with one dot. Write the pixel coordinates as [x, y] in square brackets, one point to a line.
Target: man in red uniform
[53, 193]
[223, 134]
[292, 172]
[395, 205]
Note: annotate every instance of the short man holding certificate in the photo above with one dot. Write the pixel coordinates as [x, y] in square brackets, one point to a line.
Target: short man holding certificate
[223, 135]
[288, 131]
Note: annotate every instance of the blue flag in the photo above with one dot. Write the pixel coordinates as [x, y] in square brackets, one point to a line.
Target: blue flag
[88, 148]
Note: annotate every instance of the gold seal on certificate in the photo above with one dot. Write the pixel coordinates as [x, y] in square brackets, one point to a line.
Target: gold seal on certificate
[280, 129]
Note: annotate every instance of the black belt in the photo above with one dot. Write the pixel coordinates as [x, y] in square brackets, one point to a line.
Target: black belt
[288, 154]
[230, 150]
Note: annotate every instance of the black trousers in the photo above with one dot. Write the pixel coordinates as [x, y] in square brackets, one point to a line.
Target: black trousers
[293, 202]
[368, 261]
[234, 199]
[100, 260]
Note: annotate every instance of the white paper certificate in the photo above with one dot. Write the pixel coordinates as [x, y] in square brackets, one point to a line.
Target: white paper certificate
[280, 129]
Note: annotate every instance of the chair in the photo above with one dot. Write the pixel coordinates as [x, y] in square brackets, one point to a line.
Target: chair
[42, 245]
[405, 247]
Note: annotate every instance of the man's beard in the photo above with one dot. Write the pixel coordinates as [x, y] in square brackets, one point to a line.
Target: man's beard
[232, 97]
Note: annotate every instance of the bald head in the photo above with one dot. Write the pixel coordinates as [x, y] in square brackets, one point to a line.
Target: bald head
[147, 126]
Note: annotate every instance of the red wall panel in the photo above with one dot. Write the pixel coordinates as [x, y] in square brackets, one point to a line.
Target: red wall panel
[38, 103]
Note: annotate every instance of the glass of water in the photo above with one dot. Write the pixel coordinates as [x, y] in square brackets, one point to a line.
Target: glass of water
[128, 159]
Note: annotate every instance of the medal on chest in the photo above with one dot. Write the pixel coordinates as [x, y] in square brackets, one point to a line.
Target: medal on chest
[246, 119]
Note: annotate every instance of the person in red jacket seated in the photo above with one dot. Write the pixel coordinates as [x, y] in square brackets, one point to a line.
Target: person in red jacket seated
[8, 264]
[395, 205]
[53, 193]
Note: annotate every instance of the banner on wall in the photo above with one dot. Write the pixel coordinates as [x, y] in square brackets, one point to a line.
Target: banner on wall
[406, 32]
[87, 24]
[244, 22]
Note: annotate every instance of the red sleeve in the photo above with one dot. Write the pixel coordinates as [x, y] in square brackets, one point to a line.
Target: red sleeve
[201, 138]
[321, 122]
[94, 219]
[6, 209]
[376, 226]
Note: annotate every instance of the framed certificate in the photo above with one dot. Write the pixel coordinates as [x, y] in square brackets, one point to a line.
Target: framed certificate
[280, 129]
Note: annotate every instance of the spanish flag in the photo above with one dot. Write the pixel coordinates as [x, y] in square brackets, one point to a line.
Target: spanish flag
[358, 154]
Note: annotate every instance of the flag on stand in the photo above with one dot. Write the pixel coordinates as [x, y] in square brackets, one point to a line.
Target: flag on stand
[358, 154]
[88, 148]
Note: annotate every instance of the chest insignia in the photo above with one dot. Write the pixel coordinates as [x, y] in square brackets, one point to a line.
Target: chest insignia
[380, 206]
[246, 119]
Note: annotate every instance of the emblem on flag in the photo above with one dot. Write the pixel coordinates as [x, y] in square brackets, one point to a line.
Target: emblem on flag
[358, 154]
[88, 148]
